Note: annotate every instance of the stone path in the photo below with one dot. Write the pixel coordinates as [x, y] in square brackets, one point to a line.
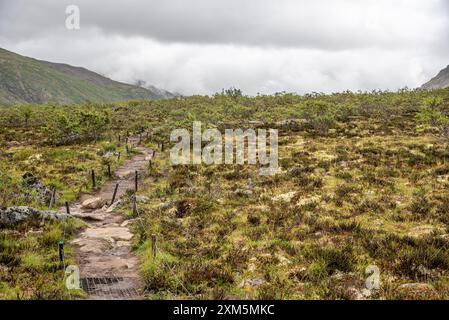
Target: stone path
[108, 268]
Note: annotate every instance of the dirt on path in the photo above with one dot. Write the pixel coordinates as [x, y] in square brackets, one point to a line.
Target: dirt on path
[108, 268]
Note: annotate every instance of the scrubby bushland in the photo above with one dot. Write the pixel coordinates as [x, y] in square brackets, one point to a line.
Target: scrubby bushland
[363, 181]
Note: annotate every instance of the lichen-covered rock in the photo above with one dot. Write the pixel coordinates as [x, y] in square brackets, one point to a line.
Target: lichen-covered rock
[243, 193]
[43, 193]
[167, 205]
[256, 282]
[142, 199]
[16, 215]
[285, 197]
[416, 291]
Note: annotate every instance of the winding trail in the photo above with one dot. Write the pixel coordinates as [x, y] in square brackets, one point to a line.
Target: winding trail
[108, 268]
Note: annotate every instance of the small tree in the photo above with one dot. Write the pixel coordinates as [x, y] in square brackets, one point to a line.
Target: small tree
[61, 128]
[27, 112]
[92, 123]
[319, 115]
[434, 114]
[233, 93]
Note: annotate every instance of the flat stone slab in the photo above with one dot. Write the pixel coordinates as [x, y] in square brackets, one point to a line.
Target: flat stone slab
[123, 244]
[96, 216]
[123, 174]
[113, 206]
[102, 265]
[127, 222]
[115, 233]
[91, 245]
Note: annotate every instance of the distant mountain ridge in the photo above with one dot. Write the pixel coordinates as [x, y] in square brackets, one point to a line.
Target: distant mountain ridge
[439, 82]
[26, 80]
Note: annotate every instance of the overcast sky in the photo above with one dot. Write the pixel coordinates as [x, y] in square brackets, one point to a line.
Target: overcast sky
[266, 46]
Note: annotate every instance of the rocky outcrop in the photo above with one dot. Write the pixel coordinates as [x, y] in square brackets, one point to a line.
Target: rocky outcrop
[33, 184]
[15, 215]
[438, 82]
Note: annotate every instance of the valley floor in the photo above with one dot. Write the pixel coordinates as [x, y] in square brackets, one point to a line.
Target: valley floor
[362, 193]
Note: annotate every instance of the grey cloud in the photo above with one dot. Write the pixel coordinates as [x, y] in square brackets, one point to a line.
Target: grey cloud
[205, 69]
[262, 46]
[325, 24]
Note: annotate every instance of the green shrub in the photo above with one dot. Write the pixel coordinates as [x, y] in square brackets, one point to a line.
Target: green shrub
[434, 113]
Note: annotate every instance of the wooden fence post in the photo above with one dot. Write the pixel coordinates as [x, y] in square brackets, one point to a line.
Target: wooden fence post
[114, 194]
[109, 170]
[67, 207]
[61, 252]
[153, 245]
[135, 182]
[94, 182]
[53, 198]
[135, 204]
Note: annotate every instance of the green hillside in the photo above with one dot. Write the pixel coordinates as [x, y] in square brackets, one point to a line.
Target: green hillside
[27, 80]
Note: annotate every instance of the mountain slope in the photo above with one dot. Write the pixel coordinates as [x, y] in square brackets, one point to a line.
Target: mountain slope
[438, 82]
[27, 80]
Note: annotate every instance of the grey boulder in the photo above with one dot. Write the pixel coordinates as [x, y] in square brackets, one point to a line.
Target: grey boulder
[15, 215]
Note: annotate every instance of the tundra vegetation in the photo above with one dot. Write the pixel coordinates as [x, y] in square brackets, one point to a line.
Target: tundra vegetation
[363, 180]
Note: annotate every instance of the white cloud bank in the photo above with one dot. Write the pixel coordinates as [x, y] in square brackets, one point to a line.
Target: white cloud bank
[259, 46]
